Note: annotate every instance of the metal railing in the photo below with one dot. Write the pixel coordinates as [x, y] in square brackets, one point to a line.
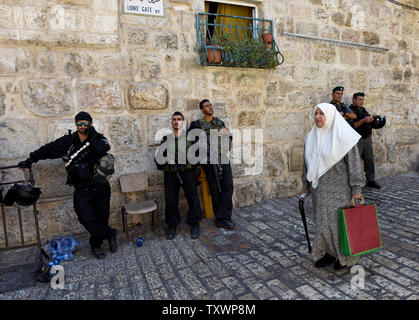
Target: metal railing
[19, 215]
[238, 43]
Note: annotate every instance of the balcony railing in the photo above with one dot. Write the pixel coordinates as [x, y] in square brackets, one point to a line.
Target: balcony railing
[241, 42]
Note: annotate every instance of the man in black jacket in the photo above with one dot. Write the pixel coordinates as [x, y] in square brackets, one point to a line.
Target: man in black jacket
[80, 151]
[362, 125]
[219, 174]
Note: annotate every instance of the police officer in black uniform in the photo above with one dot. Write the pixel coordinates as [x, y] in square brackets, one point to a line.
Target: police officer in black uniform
[219, 175]
[362, 125]
[343, 109]
[91, 200]
[179, 174]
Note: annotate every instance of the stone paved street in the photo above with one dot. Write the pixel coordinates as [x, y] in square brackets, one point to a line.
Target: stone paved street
[265, 257]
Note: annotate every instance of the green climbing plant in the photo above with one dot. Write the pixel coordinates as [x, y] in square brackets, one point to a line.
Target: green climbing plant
[252, 53]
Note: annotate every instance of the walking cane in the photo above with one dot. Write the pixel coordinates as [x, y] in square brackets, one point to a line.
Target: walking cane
[303, 217]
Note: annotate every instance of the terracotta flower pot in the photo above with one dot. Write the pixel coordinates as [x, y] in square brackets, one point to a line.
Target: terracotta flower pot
[214, 54]
[267, 37]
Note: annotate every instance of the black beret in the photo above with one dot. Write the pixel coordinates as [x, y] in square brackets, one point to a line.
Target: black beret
[339, 88]
[358, 94]
[82, 115]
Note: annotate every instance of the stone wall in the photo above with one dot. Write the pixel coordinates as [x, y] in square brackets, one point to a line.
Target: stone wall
[132, 72]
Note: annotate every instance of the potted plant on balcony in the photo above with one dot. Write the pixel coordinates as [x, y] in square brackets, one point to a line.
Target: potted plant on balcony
[213, 52]
[252, 53]
[234, 51]
[267, 36]
[259, 56]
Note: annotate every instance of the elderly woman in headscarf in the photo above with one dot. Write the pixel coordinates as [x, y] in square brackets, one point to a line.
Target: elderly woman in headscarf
[332, 173]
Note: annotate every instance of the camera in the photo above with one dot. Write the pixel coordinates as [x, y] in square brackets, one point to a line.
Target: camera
[378, 122]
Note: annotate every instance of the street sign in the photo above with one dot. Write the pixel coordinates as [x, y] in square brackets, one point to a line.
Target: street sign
[144, 7]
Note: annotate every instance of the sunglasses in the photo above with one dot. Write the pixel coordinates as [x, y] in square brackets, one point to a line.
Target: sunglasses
[81, 123]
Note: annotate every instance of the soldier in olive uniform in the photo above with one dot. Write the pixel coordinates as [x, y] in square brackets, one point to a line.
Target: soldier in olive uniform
[176, 175]
[344, 110]
[219, 174]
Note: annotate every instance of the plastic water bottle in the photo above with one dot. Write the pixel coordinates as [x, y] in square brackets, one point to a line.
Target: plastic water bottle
[55, 246]
[63, 248]
[69, 246]
[139, 242]
[73, 247]
[75, 243]
[57, 260]
[66, 247]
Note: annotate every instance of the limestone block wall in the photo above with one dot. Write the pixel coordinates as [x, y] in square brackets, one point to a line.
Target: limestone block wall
[131, 72]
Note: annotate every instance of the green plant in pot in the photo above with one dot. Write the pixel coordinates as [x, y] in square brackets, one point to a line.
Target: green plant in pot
[213, 52]
[256, 53]
[252, 53]
[260, 56]
[234, 51]
[271, 59]
[267, 36]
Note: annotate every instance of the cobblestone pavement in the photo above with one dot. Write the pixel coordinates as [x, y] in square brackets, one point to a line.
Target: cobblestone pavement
[265, 257]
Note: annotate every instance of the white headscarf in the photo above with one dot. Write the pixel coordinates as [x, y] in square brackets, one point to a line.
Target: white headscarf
[326, 146]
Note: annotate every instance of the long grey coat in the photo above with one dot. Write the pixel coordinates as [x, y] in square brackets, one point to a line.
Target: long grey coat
[334, 191]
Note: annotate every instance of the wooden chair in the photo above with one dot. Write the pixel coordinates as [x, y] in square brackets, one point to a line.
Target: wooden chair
[133, 183]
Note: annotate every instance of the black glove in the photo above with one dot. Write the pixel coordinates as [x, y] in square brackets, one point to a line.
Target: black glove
[90, 130]
[25, 164]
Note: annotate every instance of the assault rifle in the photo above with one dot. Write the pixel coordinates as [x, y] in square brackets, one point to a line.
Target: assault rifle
[217, 178]
[177, 173]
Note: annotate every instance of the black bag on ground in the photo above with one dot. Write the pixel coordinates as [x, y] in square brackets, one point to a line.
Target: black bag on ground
[22, 268]
[43, 269]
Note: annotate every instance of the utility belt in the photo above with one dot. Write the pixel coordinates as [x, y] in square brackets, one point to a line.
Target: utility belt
[86, 174]
[79, 175]
[82, 169]
[91, 186]
[78, 169]
[171, 168]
